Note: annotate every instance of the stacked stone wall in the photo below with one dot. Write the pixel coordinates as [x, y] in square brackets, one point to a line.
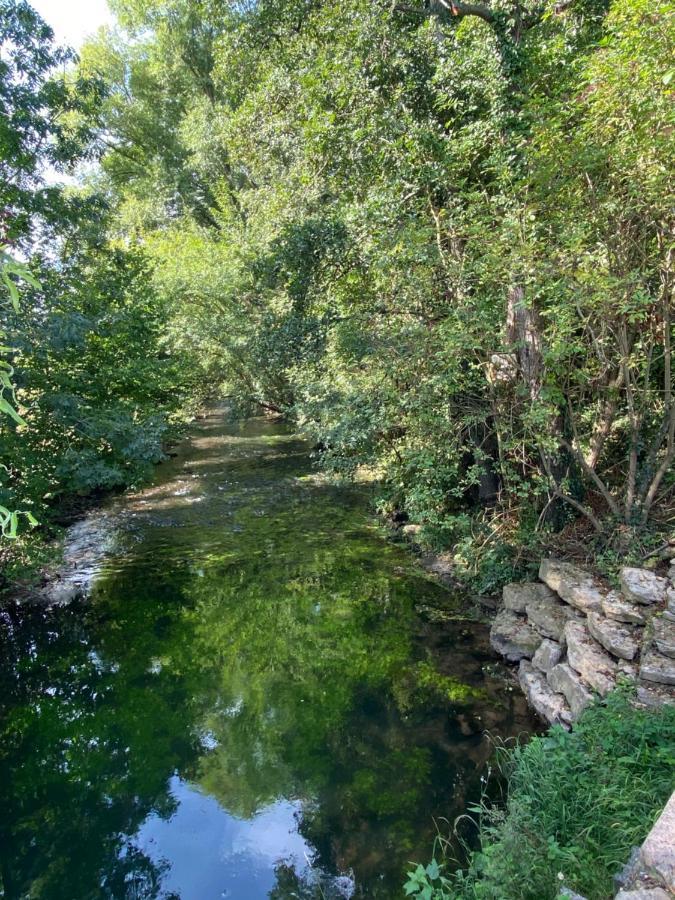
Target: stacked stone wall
[573, 639]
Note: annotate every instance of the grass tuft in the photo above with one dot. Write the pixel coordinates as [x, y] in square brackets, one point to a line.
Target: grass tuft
[577, 803]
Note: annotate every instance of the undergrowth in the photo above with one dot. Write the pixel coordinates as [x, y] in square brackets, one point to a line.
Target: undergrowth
[577, 803]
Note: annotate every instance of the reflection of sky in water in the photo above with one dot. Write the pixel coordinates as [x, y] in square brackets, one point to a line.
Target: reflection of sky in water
[212, 854]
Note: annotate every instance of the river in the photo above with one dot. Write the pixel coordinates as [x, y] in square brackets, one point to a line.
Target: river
[263, 697]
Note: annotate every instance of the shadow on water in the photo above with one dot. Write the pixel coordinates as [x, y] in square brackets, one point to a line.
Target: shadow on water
[249, 706]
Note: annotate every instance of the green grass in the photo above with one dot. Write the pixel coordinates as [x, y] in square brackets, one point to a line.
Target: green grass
[577, 803]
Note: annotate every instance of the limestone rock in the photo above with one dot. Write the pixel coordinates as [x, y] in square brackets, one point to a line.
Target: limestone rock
[631, 871]
[643, 894]
[511, 636]
[617, 607]
[655, 695]
[548, 655]
[642, 586]
[517, 596]
[573, 584]
[654, 666]
[663, 636]
[671, 572]
[549, 616]
[585, 655]
[658, 850]
[669, 612]
[627, 669]
[566, 681]
[550, 705]
[440, 564]
[618, 639]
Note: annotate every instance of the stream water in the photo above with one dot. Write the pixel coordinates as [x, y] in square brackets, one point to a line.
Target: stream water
[263, 697]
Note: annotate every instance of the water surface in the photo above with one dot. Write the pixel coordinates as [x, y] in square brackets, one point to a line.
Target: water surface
[263, 698]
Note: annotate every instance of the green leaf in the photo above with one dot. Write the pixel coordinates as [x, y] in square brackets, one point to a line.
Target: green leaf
[12, 289]
[9, 410]
[433, 870]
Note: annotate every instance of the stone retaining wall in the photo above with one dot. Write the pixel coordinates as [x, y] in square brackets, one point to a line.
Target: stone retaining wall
[573, 639]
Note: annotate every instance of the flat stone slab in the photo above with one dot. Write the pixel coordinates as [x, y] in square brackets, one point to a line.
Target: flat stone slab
[615, 606]
[643, 894]
[658, 851]
[618, 639]
[517, 596]
[642, 586]
[670, 604]
[651, 694]
[550, 705]
[440, 564]
[663, 635]
[654, 666]
[564, 680]
[589, 659]
[576, 586]
[549, 654]
[548, 616]
[511, 636]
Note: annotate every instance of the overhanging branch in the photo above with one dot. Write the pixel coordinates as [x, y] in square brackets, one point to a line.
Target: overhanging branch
[458, 9]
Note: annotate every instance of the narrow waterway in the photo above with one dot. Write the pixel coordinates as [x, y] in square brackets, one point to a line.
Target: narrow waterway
[263, 697]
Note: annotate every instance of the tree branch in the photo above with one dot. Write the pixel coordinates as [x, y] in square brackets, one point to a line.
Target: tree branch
[558, 492]
[459, 8]
[669, 400]
[454, 7]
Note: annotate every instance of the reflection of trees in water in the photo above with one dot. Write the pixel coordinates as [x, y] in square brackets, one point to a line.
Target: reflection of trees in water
[309, 884]
[325, 700]
[82, 764]
[275, 669]
[136, 877]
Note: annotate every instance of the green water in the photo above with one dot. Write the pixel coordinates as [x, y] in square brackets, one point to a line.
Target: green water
[259, 699]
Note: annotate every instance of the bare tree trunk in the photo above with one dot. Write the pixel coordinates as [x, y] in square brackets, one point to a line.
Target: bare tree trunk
[523, 332]
[633, 418]
[604, 424]
[523, 329]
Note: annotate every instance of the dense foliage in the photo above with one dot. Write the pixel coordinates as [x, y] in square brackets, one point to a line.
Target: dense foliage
[438, 236]
[89, 381]
[578, 803]
[442, 243]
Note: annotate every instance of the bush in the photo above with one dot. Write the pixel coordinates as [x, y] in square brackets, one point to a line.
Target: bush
[577, 803]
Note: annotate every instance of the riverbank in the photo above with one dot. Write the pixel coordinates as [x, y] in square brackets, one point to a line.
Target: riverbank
[58, 559]
[584, 818]
[599, 665]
